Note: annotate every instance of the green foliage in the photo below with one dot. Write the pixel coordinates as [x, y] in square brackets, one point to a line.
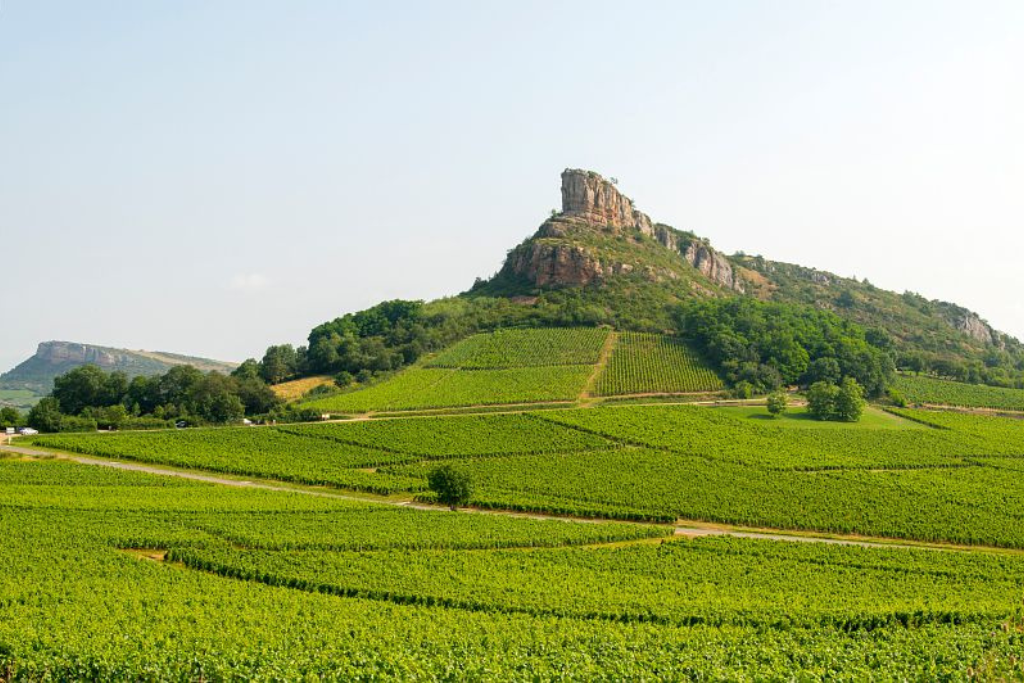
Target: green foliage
[850, 401]
[458, 436]
[918, 389]
[776, 403]
[418, 388]
[826, 401]
[770, 344]
[524, 348]
[246, 451]
[452, 486]
[711, 609]
[821, 400]
[183, 392]
[10, 417]
[45, 416]
[652, 363]
[717, 581]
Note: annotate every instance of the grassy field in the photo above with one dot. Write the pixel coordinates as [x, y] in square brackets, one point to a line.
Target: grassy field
[297, 388]
[797, 416]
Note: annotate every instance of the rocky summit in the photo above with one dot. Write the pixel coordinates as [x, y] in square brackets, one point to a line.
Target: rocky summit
[601, 242]
[600, 233]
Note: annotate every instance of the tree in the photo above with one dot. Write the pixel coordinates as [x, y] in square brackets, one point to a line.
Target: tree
[453, 487]
[821, 400]
[777, 403]
[80, 388]
[279, 363]
[10, 417]
[824, 369]
[849, 403]
[249, 369]
[45, 415]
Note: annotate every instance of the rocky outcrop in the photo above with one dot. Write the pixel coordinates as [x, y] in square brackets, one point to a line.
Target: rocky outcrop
[712, 265]
[562, 265]
[592, 206]
[59, 352]
[701, 256]
[974, 327]
[588, 197]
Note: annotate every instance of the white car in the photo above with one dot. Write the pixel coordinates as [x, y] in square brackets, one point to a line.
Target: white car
[27, 431]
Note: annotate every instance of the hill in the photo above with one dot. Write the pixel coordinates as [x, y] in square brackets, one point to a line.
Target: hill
[616, 255]
[602, 262]
[33, 377]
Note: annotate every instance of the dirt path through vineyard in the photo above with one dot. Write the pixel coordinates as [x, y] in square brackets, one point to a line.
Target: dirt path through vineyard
[683, 528]
[602, 362]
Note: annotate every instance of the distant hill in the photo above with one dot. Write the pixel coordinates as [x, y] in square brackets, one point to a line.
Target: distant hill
[33, 378]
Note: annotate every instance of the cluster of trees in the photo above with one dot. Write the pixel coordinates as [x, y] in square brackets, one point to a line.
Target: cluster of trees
[358, 347]
[843, 402]
[87, 397]
[996, 368]
[762, 346]
[10, 417]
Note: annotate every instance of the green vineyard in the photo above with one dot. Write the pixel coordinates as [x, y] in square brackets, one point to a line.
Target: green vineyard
[524, 348]
[653, 363]
[112, 575]
[919, 389]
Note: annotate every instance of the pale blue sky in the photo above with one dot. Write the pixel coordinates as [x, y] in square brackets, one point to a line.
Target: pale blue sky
[212, 177]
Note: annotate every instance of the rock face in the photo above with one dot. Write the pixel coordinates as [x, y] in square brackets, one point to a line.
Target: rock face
[712, 265]
[57, 352]
[591, 206]
[589, 197]
[555, 264]
[974, 327]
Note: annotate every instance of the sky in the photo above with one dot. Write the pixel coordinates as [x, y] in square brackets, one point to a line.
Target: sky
[210, 177]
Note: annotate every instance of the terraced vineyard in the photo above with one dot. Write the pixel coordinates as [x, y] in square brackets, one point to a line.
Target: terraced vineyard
[919, 389]
[654, 363]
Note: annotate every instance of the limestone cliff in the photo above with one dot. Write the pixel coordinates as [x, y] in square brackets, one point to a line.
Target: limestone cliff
[600, 233]
[53, 358]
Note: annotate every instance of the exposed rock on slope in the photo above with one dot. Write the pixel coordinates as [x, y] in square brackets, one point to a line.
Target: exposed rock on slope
[54, 358]
[600, 237]
[591, 198]
[600, 233]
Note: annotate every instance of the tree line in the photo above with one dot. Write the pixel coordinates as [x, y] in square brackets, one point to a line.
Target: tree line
[87, 398]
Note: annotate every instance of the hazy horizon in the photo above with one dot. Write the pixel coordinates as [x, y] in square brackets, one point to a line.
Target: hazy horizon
[212, 178]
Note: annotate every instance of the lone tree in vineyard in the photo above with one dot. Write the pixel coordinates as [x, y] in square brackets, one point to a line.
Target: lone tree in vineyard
[777, 403]
[453, 487]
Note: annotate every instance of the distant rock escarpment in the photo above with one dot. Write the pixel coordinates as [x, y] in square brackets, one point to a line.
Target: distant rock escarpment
[53, 358]
[600, 233]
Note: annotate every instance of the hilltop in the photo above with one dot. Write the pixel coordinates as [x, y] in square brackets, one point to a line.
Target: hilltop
[601, 261]
[34, 376]
[617, 256]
